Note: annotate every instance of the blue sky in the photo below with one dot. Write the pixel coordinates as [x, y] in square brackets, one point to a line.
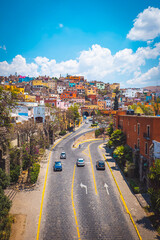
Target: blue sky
[93, 38]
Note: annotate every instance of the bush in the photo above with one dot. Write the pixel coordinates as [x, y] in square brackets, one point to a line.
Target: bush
[110, 144]
[97, 132]
[136, 190]
[5, 220]
[34, 172]
[14, 173]
[26, 161]
[134, 186]
[4, 179]
[94, 124]
[62, 133]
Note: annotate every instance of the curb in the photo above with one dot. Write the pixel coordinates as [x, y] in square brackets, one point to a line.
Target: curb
[123, 201]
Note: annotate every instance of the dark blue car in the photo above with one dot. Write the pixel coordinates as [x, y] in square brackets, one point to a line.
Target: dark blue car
[57, 166]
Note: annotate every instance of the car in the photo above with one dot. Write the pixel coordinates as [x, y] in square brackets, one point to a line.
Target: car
[91, 119]
[57, 166]
[86, 121]
[80, 162]
[63, 155]
[100, 165]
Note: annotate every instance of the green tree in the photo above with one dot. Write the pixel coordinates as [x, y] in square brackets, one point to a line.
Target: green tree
[115, 103]
[7, 103]
[73, 111]
[118, 138]
[117, 91]
[122, 154]
[154, 190]
[110, 129]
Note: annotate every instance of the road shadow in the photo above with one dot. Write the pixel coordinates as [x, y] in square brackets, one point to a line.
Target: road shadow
[146, 223]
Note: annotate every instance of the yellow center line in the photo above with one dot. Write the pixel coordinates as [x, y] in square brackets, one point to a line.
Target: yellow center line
[94, 180]
[74, 210]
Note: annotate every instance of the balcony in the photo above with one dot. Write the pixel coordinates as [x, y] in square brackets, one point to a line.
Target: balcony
[146, 136]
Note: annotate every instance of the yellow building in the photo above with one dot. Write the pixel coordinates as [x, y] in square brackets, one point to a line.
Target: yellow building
[14, 88]
[37, 82]
[115, 86]
[91, 91]
[113, 95]
[91, 106]
[29, 98]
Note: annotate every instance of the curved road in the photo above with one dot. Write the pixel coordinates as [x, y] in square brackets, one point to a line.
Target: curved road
[81, 202]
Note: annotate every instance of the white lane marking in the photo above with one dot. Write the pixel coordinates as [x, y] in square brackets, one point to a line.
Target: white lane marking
[106, 187]
[83, 186]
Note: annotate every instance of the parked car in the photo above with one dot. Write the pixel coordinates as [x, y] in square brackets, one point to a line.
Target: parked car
[100, 165]
[91, 119]
[80, 162]
[86, 121]
[57, 166]
[63, 155]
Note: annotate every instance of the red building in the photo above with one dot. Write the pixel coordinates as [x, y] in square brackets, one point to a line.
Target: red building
[141, 133]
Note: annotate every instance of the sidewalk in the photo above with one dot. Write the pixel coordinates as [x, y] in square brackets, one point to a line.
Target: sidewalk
[133, 203]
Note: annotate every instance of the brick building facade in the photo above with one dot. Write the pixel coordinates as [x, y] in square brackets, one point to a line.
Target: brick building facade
[141, 132]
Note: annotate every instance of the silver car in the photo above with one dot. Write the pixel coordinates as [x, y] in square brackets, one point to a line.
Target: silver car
[80, 162]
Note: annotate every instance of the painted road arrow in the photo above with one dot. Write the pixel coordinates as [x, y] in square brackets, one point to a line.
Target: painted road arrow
[106, 187]
[83, 186]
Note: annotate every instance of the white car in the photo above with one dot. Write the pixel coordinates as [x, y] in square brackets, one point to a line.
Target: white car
[80, 162]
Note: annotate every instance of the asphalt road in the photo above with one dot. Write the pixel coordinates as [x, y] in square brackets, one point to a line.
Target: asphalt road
[81, 202]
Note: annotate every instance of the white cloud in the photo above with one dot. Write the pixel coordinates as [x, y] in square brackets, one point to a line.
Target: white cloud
[18, 65]
[146, 25]
[151, 76]
[61, 25]
[3, 47]
[96, 63]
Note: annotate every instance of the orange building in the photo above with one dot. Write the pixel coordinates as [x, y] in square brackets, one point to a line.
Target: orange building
[101, 104]
[68, 95]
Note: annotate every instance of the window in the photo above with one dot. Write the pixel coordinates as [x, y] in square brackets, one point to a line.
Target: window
[146, 148]
[148, 131]
[138, 128]
[138, 143]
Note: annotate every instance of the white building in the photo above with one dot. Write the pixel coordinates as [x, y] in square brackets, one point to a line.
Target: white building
[131, 92]
[60, 89]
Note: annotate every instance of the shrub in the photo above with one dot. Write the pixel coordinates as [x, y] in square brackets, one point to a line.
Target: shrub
[34, 172]
[136, 190]
[14, 173]
[134, 186]
[26, 160]
[4, 179]
[62, 133]
[5, 220]
[97, 132]
[94, 124]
